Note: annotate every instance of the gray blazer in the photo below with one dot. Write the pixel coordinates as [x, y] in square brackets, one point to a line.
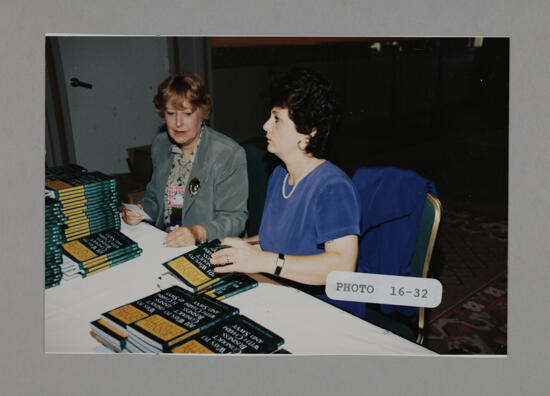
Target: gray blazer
[220, 166]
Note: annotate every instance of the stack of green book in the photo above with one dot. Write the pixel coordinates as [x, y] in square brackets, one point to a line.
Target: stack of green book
[162, 330]
[54, 220]
[88, 200]
[175, 320]
[196, 274]
[237, 334]
[193, 268]
[111, 328]
[66, 170]
[106, 334]
[91, 254]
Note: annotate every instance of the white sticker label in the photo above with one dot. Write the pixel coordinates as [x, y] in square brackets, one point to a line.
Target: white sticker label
[384, 289]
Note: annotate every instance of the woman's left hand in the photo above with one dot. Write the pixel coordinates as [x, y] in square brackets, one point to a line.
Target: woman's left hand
[242, 256]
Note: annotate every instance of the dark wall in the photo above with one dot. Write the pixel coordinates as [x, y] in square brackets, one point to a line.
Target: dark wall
[437, 106]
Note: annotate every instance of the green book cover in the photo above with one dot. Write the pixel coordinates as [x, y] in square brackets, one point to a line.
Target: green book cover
[51, 218]
[164, 329]
[52, 227]
[133, 348]
[53, 278]
[53, 264]
[83, 179]
[229, 285]
[101, 260]
[91, 247]
[122, 316]
[50, 285]
[87, 231]
[88, 196]
[65, 170]
[98, 267]
[53, 235]
[237, 334]
[193, 268]
[54, 255]
[53, 270]
[53, 251]
[55, 240]
[94, 202]
[71, 238]
[97, 210]
[52, 260]
[69, 188]
[91, 221]
[54, 222]
[85, 206]
[109, 335]
[91, 207]
[112, 219]
[51, 202]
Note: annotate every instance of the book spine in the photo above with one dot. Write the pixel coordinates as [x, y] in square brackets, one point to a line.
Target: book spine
[109, 264]
[223, 296]
[109, 257]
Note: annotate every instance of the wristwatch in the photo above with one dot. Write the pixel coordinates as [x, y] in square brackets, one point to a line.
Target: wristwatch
[280, 262]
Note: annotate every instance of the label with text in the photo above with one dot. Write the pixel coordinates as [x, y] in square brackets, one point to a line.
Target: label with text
[384, 289]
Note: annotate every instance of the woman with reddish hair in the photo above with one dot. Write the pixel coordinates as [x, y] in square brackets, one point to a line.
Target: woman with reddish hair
[199, 187]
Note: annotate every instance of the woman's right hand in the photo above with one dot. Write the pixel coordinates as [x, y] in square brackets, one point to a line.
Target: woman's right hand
[130, 217]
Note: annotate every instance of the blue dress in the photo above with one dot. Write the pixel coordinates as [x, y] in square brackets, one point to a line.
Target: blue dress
[323, 207]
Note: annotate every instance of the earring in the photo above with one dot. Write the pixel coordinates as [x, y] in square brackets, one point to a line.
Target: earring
[302, 144]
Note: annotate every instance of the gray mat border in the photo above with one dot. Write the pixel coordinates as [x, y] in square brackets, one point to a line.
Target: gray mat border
[26, 370]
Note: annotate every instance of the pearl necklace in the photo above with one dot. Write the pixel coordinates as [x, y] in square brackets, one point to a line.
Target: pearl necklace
[285, 196]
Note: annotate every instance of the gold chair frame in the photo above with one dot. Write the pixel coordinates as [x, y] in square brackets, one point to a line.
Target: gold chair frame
[436, 204]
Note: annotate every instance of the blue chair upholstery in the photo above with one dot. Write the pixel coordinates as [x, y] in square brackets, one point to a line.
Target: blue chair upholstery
[398, 217]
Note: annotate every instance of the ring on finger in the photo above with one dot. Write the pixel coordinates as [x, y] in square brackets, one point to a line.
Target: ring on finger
[227, 259]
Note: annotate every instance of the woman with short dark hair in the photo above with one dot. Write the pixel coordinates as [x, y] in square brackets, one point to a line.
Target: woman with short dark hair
[311, 105]
[199, 186]
[310, 223]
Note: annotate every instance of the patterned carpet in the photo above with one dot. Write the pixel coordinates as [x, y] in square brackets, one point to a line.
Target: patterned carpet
[470, 260]
[478, 325]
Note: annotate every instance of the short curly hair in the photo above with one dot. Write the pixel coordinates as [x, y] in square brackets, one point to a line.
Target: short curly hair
[311, 103]
[182, 87]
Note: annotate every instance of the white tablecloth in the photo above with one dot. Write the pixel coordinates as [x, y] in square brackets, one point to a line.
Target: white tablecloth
[308, 325]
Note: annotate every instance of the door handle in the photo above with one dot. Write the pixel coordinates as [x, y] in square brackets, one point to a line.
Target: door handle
[75, 82]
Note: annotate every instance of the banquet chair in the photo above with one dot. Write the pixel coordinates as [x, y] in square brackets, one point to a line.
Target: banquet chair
[399, 222]
[420, 267]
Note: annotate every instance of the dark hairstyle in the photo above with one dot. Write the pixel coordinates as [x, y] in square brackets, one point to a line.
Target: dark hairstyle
[310, 102]
[182, 87]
